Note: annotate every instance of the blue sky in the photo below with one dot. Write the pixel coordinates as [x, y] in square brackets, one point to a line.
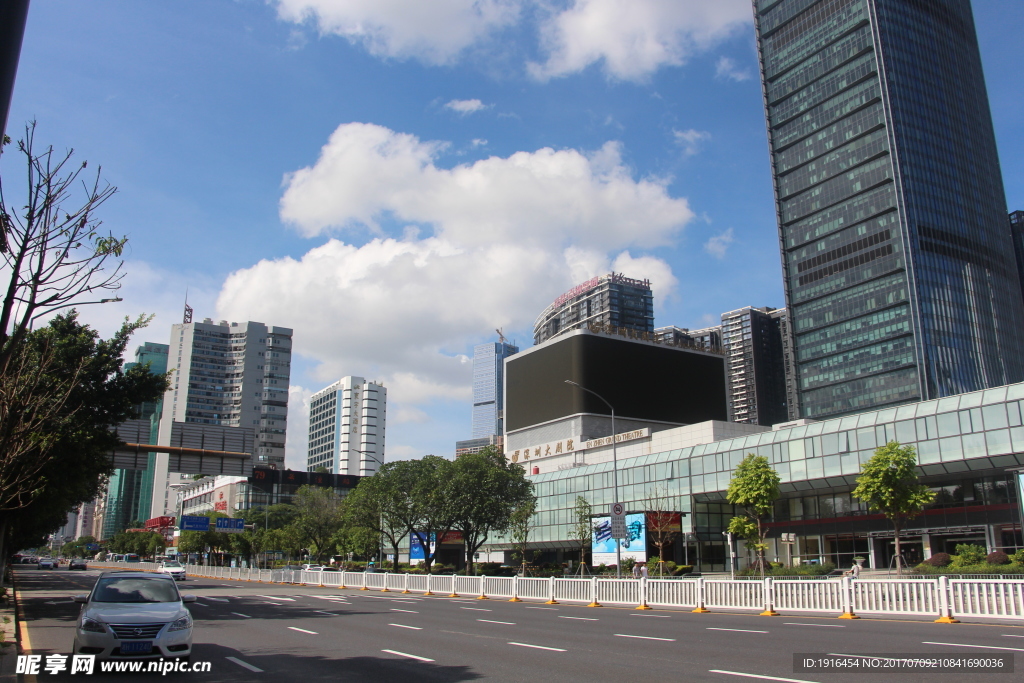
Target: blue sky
[395, 183]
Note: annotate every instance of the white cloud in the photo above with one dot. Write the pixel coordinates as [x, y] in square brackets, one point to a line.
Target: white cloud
[690, 139]
[631, 39]
[479, 142]
[407, 414]
[544, 198]
[727, 68]
[717, 245]
[297, 444]
[466, 107]
[634, 38]
[434, 32]
[500, 239]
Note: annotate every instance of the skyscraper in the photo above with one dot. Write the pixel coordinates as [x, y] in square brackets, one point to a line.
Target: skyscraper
[1017, 233]
[612, 300]
[892, 218]
[230, 375]
[755, 366]
[489, 387]
[130, 492]
[347, 422]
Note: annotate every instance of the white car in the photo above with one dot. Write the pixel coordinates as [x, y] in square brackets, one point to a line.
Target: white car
[173, 569]
[133, 615]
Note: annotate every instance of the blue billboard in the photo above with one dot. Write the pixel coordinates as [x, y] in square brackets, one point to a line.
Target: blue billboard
[633, 546]
[417, 547]
[228, 525]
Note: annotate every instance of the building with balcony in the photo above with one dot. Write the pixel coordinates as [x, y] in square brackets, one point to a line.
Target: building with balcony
[347, 424]
[610, 300]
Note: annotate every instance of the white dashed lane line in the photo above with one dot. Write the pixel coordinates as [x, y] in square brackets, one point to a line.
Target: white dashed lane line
[276, 597]
[406, 654]
[626, 635]
[983, 647]
[553, 609]
[209, 597]
[539, 647]
[414, 628]
[759, 676]
[320, 611]
[790, 623]
[654, 616]
[395, 609]
[242, 615]
[581, 618]
[740, 630]
[476, 609]
[491, 621]
[245, 665]
[302, 630]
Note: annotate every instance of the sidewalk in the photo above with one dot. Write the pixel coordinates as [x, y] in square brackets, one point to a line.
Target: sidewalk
[9, 629]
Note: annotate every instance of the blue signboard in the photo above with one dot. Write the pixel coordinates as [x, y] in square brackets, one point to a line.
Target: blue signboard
[417, 547]
[192, 523]
[230, 526]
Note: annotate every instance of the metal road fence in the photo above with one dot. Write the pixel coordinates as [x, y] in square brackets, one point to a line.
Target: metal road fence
[943, 597]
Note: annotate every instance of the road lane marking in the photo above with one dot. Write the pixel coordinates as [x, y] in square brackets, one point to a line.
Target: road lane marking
[201, 604]
[302, 630]
[476, 609]
[410, 611]
[1008, 635]
[414, 628]
[491, 621]
[741, 630]
[406, 654]
[764, 678]
[242, 615]
[539, 647]
[790, 623]
[276, 597]
[985, 647]
[656, 616]
[210, 597]
[550, 608]
[580, 618]
[626, 635]
[271, 603]
[320, 611]
[245, 665]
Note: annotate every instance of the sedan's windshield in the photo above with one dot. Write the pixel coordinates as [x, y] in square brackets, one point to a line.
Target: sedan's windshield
[172, 565]
[135, 589]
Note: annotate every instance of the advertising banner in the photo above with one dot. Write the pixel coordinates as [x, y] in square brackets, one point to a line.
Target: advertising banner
[634, 545]
[1020, 494]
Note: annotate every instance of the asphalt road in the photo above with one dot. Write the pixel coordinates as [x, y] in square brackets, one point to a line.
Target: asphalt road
[272, 632]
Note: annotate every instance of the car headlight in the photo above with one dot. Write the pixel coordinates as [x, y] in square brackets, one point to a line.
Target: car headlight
[93, 625]
[181, 624]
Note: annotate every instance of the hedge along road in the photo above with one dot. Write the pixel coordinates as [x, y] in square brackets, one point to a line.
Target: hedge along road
[295, 633]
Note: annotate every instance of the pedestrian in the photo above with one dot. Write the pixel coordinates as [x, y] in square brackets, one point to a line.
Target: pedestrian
[643, 570]
[853, 571]
[636, 570]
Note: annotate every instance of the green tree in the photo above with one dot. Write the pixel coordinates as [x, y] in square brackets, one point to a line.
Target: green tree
[319, 517]
[483, 490]
[519, 529]
[582, 529]
[754, 488]
[383, 503]
[430, 513]
[663, 523]
[888, 483]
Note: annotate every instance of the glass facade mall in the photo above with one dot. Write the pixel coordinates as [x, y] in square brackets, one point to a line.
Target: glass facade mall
[966, 446]
[898, 266]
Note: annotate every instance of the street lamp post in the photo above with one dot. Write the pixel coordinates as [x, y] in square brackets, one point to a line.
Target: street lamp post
[380, 549]
[615, 472]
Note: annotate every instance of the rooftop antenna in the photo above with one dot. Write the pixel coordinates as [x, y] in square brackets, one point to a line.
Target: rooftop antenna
[188, 309]
[501, 337]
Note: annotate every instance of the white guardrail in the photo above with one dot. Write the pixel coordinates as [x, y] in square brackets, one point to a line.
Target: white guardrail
[942, 597]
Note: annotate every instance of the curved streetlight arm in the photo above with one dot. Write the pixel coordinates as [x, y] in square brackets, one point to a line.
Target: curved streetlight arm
[615, 469]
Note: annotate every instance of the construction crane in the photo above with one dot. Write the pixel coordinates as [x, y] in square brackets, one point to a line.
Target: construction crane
[501, 337]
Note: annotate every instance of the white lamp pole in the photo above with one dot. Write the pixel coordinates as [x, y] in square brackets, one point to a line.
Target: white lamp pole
[615, 472]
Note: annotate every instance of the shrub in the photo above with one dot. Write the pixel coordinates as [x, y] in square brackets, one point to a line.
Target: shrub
[997, 557]
[968, 553]
[1018, 556]
[938, 560]
[682, 570]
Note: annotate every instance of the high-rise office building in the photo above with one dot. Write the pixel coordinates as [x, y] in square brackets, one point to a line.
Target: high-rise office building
[230, 375]
[130, 492]
[489, 387]
[1017, 233]
[755, 366]
[347, 421]
[890, 204]
[707, 338]
[612, 300]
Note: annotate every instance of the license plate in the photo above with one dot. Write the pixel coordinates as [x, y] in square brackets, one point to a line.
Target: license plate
[137, 647]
